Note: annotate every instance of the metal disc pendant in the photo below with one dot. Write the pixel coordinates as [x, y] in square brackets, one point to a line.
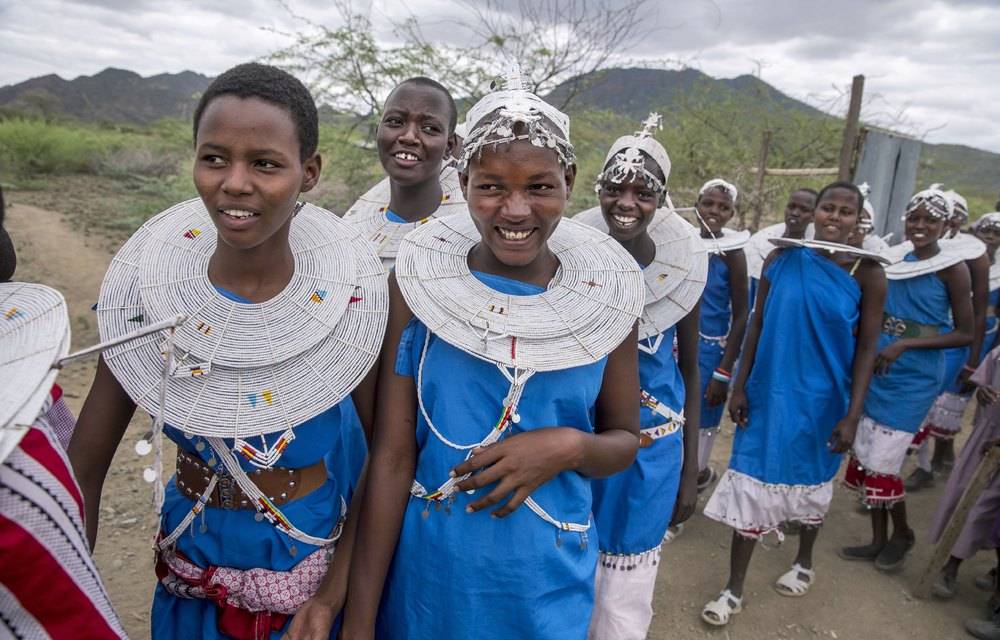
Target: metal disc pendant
[143, 447]
[149, 475]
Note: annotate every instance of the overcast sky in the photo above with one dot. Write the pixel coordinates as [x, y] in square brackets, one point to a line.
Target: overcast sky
[937, 61]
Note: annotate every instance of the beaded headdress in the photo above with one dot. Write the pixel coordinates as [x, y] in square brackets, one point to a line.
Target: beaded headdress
[987, 221]
[936, 201]
[625, 159]
[516, 108]
[719, 183]
[960, 207]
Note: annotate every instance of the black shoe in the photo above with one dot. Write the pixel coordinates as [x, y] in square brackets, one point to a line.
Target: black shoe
[893, 555]
[919, 479]
[865, 553]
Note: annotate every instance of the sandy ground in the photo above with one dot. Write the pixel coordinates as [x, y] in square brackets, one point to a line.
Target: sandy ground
[848, 601]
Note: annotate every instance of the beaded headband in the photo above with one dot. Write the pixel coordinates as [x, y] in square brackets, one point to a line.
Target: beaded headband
[936, 201]
[543, 125]
[625, 159]
[719, 183]
[960, 208]
[987, 221]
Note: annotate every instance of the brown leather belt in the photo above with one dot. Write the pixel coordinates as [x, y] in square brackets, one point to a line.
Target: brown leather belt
[279, 484]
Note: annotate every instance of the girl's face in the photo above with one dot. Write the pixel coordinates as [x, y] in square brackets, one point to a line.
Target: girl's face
[628, 208]
[953, 226]
[247, 169]
[990, 236]
[517, 193]
[412, 137]
[836, 215]
[921, 228]
[799, 211]
[715, 207]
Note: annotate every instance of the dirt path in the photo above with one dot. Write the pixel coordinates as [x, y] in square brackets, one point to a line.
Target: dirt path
[849, 600]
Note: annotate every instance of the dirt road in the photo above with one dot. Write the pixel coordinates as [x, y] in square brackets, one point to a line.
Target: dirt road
[848, 601]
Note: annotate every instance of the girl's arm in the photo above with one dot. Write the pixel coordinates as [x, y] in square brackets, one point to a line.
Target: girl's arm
[739, 411]
[739, 303]
[525, 461]
[871, 277]
[957, 281]
[390, 471]
[99, 429]
[687, 361]
[979, 275]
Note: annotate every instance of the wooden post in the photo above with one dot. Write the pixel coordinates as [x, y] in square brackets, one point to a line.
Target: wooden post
[765, 147]
[984, 473]
[851, 128]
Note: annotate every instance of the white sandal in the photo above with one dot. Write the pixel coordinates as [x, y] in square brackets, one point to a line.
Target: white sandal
[791, 583]
[672, 533]
[717, 612]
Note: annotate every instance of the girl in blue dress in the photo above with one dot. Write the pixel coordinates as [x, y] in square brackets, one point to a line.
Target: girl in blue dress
[633, 509]
[799, 394]
[415, 140]
[285, 307]
[724, 309]
[928, 309]
[508, 381]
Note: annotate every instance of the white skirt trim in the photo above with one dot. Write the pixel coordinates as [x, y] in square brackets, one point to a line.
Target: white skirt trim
[880, 448]
[756, 508]
[946, 414]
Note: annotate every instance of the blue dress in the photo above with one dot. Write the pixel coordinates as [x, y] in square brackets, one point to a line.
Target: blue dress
[233, 538]
[459, 575]
[901, 398]
[716, 316]
[800, 384]
[633, 508]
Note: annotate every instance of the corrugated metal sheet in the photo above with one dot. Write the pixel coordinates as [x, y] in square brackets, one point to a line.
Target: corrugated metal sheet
[889, 164]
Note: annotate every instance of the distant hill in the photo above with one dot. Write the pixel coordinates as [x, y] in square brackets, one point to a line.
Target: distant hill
[636, 92]
[113, 95]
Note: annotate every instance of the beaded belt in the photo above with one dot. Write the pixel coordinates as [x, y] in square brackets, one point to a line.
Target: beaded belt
[900, 328]
[281, 485]
[651, 434]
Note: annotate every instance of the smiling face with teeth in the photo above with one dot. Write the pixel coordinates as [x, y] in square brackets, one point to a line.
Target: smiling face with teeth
[715, 209]
[414, 136]
[628, 208]
[923, 229]
[836, 215]
[517, 193]
[249, 174]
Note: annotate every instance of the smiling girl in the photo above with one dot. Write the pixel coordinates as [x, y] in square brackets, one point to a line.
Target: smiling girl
[724, 309]
[415, 139]
[634, 508]
[509, 379]
[928, 309]
[799, 394]
[286, 307]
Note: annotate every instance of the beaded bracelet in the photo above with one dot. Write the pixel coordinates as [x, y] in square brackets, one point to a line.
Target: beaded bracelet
[722, 375]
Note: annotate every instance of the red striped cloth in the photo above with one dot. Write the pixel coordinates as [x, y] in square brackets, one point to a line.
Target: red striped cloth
[49, 585]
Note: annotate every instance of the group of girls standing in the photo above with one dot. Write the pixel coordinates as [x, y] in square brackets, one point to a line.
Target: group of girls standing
[455, 412]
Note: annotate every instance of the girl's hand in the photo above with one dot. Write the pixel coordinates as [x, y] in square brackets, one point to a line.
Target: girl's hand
[716, 392]
[312, 621]
[887, 356]
[986, 396]
[843, 435]
[519, 465]
[739, 409]
[687, 498]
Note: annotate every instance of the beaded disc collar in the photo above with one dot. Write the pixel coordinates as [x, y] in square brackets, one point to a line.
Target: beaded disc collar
[730, 240]
[759, 246]
[874, 243]
[34, 333]
[832, 247]
[994, 276]
[244, 369]
[965, 244]
[368, 215]
[900, 269]
[589, 307]
[676, 276]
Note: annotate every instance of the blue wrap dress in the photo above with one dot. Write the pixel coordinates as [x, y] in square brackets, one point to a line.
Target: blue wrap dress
[633, 508]
[901, 398]
[457, 575]
[716, 317]
[798, 390]
[234, 538]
